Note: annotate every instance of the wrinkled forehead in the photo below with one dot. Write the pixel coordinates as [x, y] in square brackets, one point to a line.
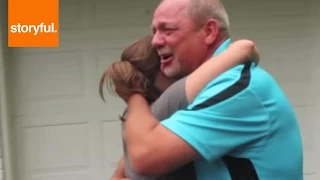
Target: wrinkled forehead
[170, 12]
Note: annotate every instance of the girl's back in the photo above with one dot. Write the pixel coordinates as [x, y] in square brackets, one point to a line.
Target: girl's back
[173, 99]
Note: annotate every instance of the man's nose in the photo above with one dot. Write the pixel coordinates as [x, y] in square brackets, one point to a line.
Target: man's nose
[157, 40]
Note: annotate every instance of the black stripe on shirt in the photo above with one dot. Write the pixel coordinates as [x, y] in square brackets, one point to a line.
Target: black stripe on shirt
[232, 90]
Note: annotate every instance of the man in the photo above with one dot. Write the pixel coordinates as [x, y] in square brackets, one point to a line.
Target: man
[174, 96]
[241, 126]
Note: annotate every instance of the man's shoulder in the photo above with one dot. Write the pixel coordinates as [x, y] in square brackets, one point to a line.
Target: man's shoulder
[227, 84]
[264, 85]
[239, 85]
[243, 78]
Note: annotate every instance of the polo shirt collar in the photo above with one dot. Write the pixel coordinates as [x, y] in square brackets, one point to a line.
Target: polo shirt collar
[222, 47]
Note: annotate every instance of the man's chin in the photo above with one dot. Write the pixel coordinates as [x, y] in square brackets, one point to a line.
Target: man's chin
[170, 73]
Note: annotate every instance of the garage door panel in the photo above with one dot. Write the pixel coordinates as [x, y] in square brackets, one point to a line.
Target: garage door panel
[301, 96]
[45, 119]
[263, 34]
[266, 23]
[311, 177]
[113, 107]
[265, 7]
[114, 37]
[308, 116]
[60, 176]
[104, 58]
[96, 108]
[273, 26]
[316, 76]
[52, 75]
[270, 15]
[58, 147]
[109, 111]
[315, 7]
[284, 60]
[112, 144]
[48, 83]
[122, 12]
[54, 152]
[73, 13]
[70, 41]
[290, 18]
[288, 73]
[313, 20]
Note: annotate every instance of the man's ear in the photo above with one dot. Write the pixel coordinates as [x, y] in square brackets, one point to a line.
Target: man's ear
[211, 31]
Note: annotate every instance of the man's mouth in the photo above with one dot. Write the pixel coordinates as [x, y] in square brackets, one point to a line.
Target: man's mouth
[166, 58]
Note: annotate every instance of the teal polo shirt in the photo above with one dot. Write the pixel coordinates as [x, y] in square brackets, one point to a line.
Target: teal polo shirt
[243, 126]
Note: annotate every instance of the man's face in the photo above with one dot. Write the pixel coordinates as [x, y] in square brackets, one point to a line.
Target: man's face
[178, 41]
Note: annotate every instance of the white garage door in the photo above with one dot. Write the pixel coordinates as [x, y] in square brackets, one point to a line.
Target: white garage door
[63, 131]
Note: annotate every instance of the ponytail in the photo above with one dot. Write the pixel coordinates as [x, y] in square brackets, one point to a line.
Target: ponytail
[123, 76]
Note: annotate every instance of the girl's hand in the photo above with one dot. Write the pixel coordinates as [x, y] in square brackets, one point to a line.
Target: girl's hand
[248, 48]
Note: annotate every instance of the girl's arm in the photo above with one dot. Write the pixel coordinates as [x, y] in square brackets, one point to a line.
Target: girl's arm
[119, 173]
[239, 52]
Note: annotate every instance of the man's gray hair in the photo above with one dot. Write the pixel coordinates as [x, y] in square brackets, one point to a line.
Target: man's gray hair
[202, 10]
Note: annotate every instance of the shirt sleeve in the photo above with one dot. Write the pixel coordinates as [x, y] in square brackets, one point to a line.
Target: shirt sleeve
[171, 100]
[221, 119]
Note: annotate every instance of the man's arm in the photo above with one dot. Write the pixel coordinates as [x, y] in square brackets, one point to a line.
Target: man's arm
[202, 131]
